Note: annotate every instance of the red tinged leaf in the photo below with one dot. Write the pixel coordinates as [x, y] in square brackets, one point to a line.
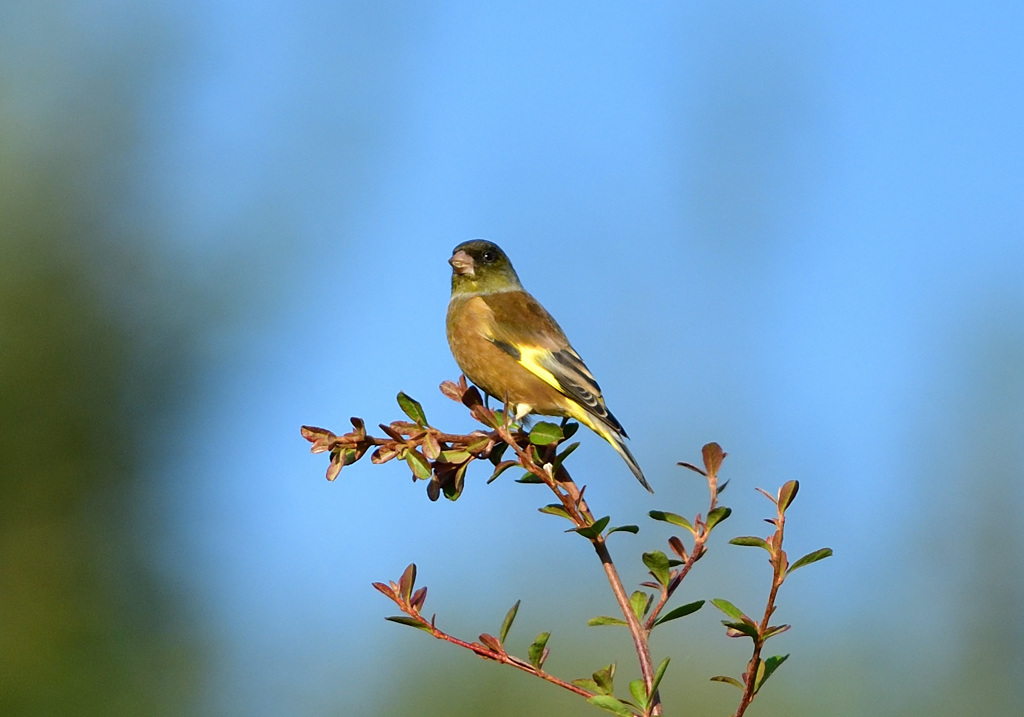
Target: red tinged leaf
[492, 642]
[471, 398]
[713, 457]
[335, 467]
[692, 467]
[479, 445]
[452, 390]
[406, 582]
[321, 438]
[392, 432]
[431, 448]
[677, 547]
[787, 494]
[433, 489]
[386, 589]
[381, 455]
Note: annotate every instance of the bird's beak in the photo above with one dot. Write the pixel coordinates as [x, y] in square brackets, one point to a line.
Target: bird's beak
[462, 263]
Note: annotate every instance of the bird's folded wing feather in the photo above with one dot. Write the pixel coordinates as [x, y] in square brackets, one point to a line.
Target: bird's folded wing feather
[526, 331]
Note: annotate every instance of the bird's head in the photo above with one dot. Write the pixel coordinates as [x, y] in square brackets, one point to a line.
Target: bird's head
[481, 267]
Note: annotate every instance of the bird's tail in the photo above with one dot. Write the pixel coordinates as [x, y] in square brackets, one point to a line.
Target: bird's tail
[623, 450]
[611, 431]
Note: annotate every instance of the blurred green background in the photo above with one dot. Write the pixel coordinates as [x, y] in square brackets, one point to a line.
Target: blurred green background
[795, 229]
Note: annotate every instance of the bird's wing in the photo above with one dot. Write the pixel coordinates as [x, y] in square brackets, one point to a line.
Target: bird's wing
[527, 332]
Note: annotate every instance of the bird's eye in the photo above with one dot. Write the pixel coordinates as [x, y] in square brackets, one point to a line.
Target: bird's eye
[488, 256]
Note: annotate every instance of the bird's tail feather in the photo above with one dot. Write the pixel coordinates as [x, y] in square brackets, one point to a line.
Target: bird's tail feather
[616, 436]
[612, 432]
[623, 450]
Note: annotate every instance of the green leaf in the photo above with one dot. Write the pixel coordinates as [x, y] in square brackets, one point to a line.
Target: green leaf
[657, 562]
[658, 675]
[787, 494]
[671, 518]
[717, 515]
[592, 531]
[639, 602]
[769, 666]
[538, 650]
[528, 477]
[497, 452]
[751, 541]
[506, 624]
[411, 622]
[740, 628]
[775, 630]
[610, 704]
[681, 611]
[586, 683]
[634, 529]
[479, 444]
[499, 469]
[604, 679]
[545, 433]
[453, 490]
[605, 620]
[639, 692]
[555, 509]
[570, 428]
[453, 456]
[728, 680]
[418, 464]
[560, 458]
[412, 409]
[728, 608]
[814, 557]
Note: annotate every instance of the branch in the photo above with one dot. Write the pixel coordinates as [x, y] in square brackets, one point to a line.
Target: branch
[489, 647]
[758, 671]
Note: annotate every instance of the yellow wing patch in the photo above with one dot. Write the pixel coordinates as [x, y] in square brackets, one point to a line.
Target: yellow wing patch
[531, 357]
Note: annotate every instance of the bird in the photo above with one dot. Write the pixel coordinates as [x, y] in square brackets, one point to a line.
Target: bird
[509, 346]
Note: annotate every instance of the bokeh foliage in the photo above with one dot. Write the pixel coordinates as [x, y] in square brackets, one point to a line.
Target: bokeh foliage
[90, 351]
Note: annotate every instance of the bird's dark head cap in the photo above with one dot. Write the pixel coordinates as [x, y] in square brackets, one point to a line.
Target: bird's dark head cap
[480, 266]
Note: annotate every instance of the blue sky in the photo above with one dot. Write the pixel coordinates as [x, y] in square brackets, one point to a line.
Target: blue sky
[797, 230]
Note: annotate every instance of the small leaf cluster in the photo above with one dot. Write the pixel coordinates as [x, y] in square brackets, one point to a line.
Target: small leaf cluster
[601, 683]
[489, 647]
[439, 458]
[442, 459]
[739, 625]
